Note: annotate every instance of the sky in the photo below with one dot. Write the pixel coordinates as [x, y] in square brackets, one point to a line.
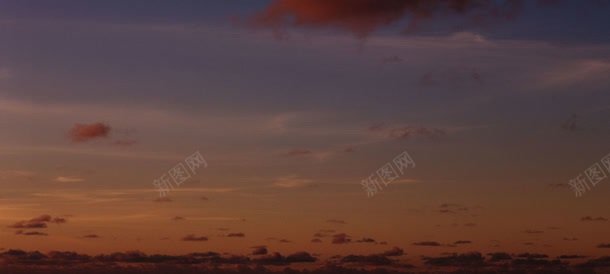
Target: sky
[502, 106]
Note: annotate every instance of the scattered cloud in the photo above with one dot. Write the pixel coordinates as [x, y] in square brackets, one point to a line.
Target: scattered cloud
[395, 251]
[238, 235]
[341, 238]
[259, 250]
[86, 132]
[367, 260]
[38, 222]
[461, 260]
[427, 243]
[91, 236]
[366, 240]
[30, 233]
[193, 238]
[591, 219]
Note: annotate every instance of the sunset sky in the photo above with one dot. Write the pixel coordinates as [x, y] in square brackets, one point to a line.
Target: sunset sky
[293, 104]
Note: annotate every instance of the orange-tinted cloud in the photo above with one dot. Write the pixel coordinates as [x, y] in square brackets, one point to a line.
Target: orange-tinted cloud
[85, 132]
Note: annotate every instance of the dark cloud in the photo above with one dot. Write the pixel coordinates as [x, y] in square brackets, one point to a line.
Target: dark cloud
[274, 258]
[395, 251]
[38, 222]
[92, 236]
[85, 132]
[449, 205]
[367, 260]
[239, 234]
[407, 132]
[568, 257]
[589, 218]
[363, 17]
[192, 237]
[531, 262]
[427, 243]
[30, 233]
[341, 238]
[532, 256]
[598, 262]
[300, 257]
[58, 220]
[366, 240]
[462, 260]
[178, 218]
[570, 239]
[462, 242]
[603, 246]
[277, 259]
[27, 224]
[499, 256]
[259, 250]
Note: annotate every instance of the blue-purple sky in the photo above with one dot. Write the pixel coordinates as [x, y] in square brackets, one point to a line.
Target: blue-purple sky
[293, 104]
